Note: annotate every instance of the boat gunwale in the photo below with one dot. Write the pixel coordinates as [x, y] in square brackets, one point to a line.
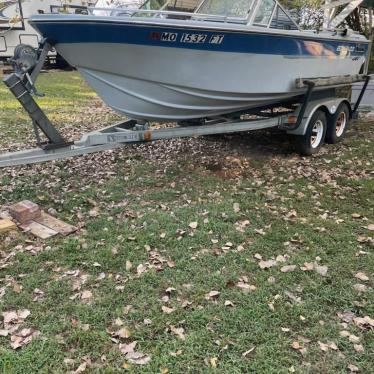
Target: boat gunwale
[145, 22]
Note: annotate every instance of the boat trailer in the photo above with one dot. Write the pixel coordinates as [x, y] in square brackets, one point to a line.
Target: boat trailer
[294, 118]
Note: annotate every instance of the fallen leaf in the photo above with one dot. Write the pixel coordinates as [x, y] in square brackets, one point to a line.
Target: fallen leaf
[371, 227]
[280, 258]
[321, 270]
[246, 287]
[94, 212]
[360, 287]
[170, 290]
[353, 368]
[213, 362]
[128, 265]
[126, 366]
[260, 232]
[267, 264]
[167, 310]
[365, 322]
[246, 353]
[308, 266]
[23, 337]
[344, 334]
[178, 331]
[69, 361]
[346, 317]
[326, 346]
[296, 345]
[141, 269]
[176, 354]
[23, 314]
[356, 215]
[81, 368]
[359, 348]
[4, 332]
[236, 207]
[123, 333]
[293, 297]
[288, 268]
[229, 303]
[138, 358]
[86, 295]
[362, 276]
[193, 225]
[10, 317]
[118, 322]
[127, 348]
[212, 295]
[353, 338]
[17, 288]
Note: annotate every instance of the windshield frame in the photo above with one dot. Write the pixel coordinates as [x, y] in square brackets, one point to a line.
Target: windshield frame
[268, 26]
[231, 17]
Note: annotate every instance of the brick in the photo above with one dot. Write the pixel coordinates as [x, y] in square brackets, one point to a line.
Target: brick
[55, 224]
[39, 230]
[25, 211]
[7, 225]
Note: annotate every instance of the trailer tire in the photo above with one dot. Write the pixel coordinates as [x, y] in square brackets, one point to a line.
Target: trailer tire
[337, 124]
[311, 142]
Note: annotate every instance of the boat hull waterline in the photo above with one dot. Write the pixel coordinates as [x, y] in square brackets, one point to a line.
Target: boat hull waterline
[149, 71]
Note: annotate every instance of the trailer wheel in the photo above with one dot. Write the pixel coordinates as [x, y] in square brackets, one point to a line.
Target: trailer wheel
[312, 141]
[338, 124]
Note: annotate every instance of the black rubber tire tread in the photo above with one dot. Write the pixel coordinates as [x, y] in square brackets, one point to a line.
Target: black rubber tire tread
[303, 142]
[331, 136]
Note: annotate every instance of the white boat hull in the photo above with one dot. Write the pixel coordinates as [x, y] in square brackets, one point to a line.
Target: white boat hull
[166, 84]
[149, 82]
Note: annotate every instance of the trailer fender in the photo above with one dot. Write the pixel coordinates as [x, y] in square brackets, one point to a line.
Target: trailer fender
[328, 106]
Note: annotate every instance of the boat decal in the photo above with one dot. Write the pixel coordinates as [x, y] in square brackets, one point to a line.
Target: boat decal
[168, 36]
[190, 38]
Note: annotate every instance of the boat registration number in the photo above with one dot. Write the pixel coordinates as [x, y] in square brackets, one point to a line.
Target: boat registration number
[194, 38]
[188, 38]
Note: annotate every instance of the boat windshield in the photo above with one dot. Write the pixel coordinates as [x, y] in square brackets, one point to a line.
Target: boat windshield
[171, 5]
[154, 4]
[230, 8]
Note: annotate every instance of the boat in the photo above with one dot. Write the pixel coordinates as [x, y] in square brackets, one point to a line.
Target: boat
[154, 64]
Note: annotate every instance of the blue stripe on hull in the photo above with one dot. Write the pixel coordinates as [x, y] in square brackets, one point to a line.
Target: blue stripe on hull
[237, 42]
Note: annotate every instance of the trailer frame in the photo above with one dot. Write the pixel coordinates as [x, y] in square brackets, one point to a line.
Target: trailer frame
[294, 118]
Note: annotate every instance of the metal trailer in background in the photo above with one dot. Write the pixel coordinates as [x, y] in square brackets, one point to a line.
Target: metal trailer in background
[315, 117]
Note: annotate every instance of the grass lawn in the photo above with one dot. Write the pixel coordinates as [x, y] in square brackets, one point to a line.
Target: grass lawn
[222, 254]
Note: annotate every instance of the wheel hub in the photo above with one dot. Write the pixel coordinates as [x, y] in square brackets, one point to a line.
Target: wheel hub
[317, 134]
[341, 122]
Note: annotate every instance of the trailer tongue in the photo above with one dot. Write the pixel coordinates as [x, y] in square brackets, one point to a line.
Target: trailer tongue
[309, 117]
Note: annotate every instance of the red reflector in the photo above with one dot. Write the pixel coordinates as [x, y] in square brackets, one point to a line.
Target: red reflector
[292, 120]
